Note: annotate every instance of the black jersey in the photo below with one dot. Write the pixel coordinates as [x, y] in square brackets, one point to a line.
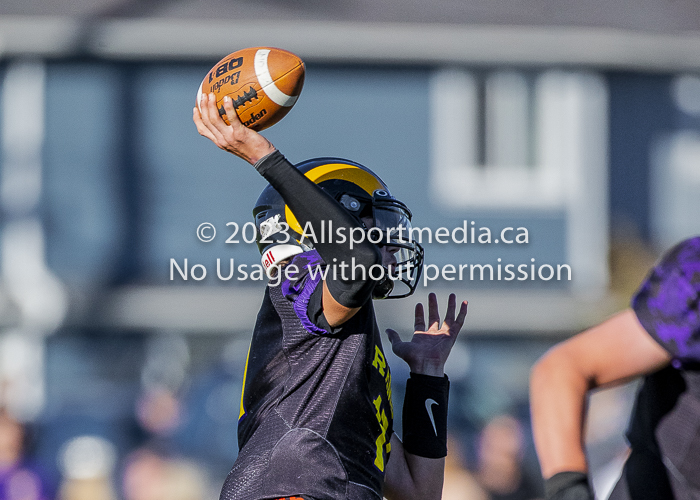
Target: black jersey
[316, 412]
[664, 437]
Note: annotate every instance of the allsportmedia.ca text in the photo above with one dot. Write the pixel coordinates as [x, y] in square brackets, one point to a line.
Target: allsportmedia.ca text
[467, 233]
[227, 270]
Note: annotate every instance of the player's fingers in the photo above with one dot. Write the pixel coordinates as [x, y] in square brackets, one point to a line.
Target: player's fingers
[393, 337]
[451, 306]
[433, 312]
[207, 130]
[231, 113]
[209, 116]
[419, 322]
[197, 119]
[201, 128]
[238, 131]
[226, 137]
[461, 316]
[205, 110]
[236, 134]
[215, 117]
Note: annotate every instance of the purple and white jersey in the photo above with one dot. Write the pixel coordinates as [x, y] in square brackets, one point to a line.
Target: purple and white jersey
[667, 304]
[664, 431]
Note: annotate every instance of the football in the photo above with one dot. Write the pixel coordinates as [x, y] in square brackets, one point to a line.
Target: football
[263, 83]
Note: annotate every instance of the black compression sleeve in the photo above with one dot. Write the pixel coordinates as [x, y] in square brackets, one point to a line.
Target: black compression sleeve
[311, 205]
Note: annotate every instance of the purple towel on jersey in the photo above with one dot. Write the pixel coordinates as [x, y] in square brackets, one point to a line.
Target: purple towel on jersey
[667, 302]
[301, 284]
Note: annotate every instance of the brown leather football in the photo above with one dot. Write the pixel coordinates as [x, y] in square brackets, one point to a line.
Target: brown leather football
[263, 83]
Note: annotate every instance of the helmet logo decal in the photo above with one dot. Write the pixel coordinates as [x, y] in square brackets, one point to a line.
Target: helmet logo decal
[270, 226]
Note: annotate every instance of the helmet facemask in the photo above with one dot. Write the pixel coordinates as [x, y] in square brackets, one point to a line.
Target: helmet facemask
[402, 258]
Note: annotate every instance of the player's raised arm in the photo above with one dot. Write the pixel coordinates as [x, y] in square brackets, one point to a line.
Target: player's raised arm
[613, 352]
[416, 466]
[343, 293]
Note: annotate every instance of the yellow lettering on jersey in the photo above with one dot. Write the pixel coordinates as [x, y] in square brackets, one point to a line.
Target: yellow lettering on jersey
[245, 372]
[379, 361]
[382, 445]
[388, 392]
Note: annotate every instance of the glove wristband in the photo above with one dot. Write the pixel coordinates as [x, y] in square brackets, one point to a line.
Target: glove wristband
[425, 415]
[564, 480]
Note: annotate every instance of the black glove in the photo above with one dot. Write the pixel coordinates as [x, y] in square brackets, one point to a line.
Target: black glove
[568, 486]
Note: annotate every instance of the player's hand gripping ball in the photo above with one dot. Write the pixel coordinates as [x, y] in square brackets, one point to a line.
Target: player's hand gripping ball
[263, 83]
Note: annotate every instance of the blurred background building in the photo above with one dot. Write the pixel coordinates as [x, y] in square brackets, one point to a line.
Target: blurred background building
[577, 120]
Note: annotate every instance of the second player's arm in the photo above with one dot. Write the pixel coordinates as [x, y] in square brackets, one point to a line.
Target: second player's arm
[611, 353]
